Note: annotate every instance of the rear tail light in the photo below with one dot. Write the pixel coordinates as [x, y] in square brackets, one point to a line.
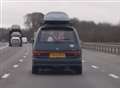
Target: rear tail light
[46, 53]
[40, 53]
[73, 53]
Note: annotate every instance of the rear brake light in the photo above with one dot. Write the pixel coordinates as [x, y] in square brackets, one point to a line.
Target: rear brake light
[73, 53]
[40, 53]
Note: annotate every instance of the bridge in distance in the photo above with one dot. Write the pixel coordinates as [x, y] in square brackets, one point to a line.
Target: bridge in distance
[101, 69]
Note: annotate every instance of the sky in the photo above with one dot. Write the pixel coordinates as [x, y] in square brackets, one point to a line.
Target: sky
[13, 11]
[0, 12]
[61, 0]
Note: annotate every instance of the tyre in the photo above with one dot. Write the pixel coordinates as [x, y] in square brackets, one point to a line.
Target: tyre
[20, 45]
[78, 70]
[10, 45]
[35, 70]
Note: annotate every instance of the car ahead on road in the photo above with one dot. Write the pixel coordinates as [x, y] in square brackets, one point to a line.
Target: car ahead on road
[57, 47]
[15, 31]
[15, 41]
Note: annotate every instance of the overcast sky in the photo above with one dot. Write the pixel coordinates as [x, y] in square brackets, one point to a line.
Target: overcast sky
[61, 0]
[14, 12]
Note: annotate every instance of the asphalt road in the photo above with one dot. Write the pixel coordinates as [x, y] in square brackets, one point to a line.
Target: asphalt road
[100, 70]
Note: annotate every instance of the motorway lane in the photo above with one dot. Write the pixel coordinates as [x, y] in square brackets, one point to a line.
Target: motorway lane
[9, 56]
[92, 77]
[106, 62]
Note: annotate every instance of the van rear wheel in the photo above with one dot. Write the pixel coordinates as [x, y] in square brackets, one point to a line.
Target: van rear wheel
[35, 70]
[78, 70]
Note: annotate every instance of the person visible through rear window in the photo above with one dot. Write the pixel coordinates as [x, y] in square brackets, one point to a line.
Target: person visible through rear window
[57, 36]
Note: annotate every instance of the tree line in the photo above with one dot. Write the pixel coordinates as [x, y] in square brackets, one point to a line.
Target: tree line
[89, 31]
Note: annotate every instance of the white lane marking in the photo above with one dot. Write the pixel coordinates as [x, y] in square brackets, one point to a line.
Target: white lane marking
[15, 66]
[5, 75]
[114, 76]
[83, 61]
[24, 56]
[21, 60]
[93, 66]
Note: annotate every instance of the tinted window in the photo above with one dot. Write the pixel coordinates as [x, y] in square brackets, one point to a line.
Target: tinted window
[56, 36]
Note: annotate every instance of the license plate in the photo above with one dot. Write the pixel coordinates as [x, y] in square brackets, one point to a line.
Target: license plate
[56, 55]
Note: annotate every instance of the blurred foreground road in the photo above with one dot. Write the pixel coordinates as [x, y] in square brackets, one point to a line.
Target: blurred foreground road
[100, 70]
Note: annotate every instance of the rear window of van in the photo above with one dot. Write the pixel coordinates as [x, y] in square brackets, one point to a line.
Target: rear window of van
[56, 36]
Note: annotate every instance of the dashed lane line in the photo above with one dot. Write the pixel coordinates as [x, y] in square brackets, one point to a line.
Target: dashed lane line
[83, 61]
[113, 76]
[110, 75]
[21, 60]
[15, 66]
[95, 67]
[5, 76]
[24, 56]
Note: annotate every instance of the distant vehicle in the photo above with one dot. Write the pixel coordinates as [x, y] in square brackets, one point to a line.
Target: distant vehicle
[15, 26]
[16, 34]
[15, 31]
[24, 40]
[57, 46]
[15, 42]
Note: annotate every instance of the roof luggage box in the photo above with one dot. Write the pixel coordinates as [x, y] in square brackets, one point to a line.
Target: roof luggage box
[56, 18]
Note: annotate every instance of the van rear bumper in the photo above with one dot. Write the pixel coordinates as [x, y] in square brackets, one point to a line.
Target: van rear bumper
[56, 63]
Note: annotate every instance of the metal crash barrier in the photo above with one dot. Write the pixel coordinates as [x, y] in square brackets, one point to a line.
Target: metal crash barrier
[103, 47]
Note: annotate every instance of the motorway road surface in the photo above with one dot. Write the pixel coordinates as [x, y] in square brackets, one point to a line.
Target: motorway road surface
[100, 70]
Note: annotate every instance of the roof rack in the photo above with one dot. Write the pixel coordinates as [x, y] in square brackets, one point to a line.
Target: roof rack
[56, 18]
[15, 28]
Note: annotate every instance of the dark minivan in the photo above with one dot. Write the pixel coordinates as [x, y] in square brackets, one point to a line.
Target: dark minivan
[57, 47]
